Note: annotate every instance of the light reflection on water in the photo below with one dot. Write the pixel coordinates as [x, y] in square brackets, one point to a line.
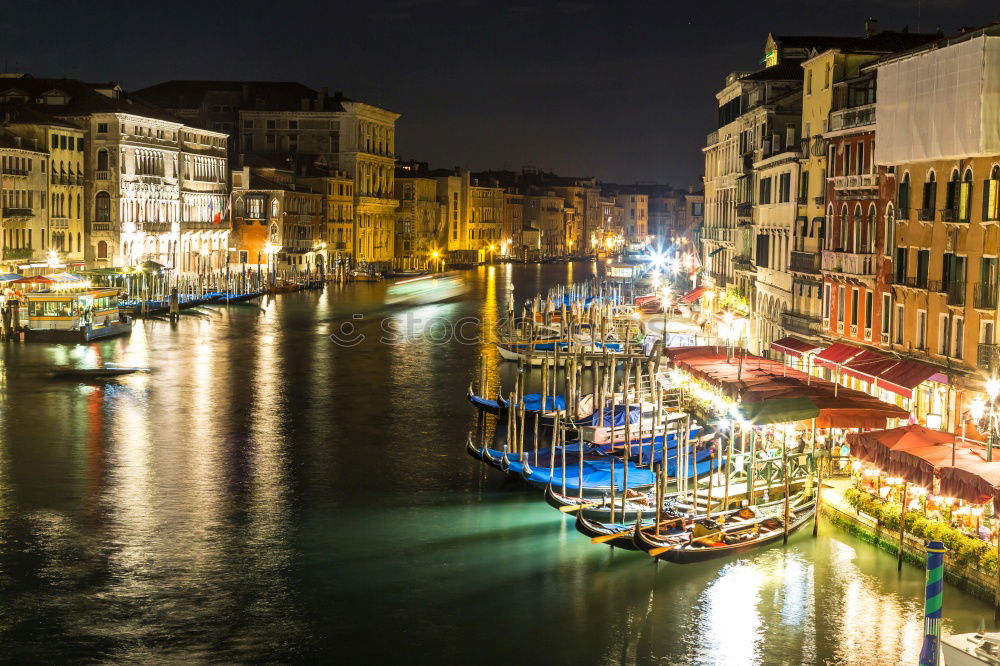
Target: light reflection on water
[266, 495]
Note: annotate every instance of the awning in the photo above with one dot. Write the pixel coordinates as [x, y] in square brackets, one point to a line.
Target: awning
[716, 251]
[9, 277]
[779, 410]
[905, 376]
[876, 447]
[794, 347]
[868, 365]
[693, 295]
[836, 354]
[976, 482]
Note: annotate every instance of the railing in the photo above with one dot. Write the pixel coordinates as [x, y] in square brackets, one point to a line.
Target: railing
[821, 199]
[18, 212]
[937, 286]
[985, 295]
[850, 263]
[800, 323]
[926, 215]
[18, 252]
[100, 226]
[840, 328]
[956, 293]
[744, 209]
[884, 338]
[721, 234]
[102, 175]
[155, 227]
[743, 262]
[302, 244]
[854, 330]
[59, 223]
[15, 172]
[802, 200]
[340, 245]
[712, 138]
[805, 262]
[856, 182]
[902, 213]
[853, 117]
[988, 357]
[202, 225]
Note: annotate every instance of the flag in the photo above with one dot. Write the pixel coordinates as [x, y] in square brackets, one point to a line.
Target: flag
[213, 214]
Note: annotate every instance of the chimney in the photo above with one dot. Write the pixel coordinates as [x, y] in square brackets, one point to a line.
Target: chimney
[870, 26]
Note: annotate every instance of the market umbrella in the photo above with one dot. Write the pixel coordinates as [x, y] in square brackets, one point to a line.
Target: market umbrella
[779, 410]
[875, 447]
[975, 481]
[917, 464]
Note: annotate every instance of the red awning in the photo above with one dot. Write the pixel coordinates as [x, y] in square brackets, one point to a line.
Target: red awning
[836, 354]
[868, 365]
[794, 346]
[973, 481]
[905, 376]
[693, 295]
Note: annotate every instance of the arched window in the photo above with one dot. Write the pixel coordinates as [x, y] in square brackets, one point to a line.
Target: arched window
[79, 247]
[870, 230]
[991, 195]
[928, 201]
[842, 239]
[857, 242]
[952, 197]
[102, 207]
[79, 211]
[890, 230]
[102, 250]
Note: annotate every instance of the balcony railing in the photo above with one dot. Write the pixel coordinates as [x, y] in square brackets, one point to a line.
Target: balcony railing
[956, 293]
[18, 212]
[18, 252]
[805, 262]
[988, 357]
[926, 215]
[937, 286]
[712, 138]
[156, 227]
[743, 263]
[857, 116]
[800, 323]
[58, 223]
[821, 199]
[850, 263]
[985, 295]
[102, 175]
[909, 281]
[744, 209]
[100, 226]
[719, 234]
[8, 171]
[302, 243]
[860, 181]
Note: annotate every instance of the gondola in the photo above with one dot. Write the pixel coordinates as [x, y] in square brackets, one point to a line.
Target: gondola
[96, 373]
[711, 539]
[599, 508]
[619, 535]
[597, 476]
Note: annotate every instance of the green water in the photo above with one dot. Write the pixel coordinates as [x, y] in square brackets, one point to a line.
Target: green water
[267, 495]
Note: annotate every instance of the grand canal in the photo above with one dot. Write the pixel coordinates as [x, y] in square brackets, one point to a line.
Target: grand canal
[269, 494]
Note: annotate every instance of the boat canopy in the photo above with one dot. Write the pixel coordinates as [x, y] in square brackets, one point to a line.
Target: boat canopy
[607, 417]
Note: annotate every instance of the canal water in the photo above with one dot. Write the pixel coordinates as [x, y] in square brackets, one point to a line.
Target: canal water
[290, 484]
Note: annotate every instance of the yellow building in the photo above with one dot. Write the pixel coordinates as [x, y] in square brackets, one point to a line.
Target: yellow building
[946, 158]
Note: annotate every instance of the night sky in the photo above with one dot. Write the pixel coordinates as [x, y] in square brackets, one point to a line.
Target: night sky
[623, 91]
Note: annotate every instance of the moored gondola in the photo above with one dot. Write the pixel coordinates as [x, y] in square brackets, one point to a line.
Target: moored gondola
[709, 539]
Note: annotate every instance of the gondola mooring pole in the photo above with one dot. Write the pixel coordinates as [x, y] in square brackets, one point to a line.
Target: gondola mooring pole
[784, 453]
[902, 528]
[818, 461]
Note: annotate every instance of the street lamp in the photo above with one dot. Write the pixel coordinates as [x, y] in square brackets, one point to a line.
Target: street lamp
[434, 256]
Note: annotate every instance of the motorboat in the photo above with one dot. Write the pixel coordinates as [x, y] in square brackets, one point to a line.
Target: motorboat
[971, 649]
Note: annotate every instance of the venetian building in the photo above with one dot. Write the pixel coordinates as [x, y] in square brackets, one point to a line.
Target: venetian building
[420, 232]
[944, 238]
[486, 199]
[204, 198]
[512, 239]
[23, 191]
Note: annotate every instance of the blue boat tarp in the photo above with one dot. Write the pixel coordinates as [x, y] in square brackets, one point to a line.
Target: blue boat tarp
[616, 415]
[533, 402]
[596, 475]
[482, 404]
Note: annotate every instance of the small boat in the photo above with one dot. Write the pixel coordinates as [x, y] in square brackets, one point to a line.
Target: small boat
[597, 475]
[708, 539]
[96, 373]
[404, 273]
[971, 649]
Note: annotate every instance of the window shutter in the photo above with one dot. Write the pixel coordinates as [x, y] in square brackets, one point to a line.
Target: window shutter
[986, 200]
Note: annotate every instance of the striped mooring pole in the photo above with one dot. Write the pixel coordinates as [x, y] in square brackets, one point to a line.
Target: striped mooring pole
[931, 650]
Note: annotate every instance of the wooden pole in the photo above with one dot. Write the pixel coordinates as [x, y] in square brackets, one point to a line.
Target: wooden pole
[902, 528]
[729, 458]
[711, 476]
[784, 454]
[818, 461]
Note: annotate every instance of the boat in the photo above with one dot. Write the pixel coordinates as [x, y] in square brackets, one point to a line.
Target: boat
[425, 289]
[619, 535]
[708, 539]
[597, 474]
[96, 373]
[971, 649]
[405, 273]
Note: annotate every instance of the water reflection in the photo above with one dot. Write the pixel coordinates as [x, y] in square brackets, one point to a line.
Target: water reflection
[267, 495]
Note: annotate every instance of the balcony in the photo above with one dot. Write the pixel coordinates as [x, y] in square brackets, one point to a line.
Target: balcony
[802, 200]
[717, 234]
[926, 215]
[821, 199]
[102, 175]
[712, 138]
[857, 116]
[988, 357]
[302, 244]
[8, 171]
[802, 324]
[744, 209]
[984, 296]
[100, 226]
[850, 264]
[937, 286]
[340, 245]
[18, 212]
[805, 262]
[956, 293]
[203, 225]
[58, 223]
[17, 252]
[743, 263]
[859, 181]
[155, 227]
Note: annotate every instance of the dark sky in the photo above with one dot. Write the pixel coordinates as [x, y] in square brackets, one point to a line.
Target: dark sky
[620, 90]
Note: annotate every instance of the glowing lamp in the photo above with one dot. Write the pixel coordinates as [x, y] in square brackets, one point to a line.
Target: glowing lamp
[993, 388]
[977, 409]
